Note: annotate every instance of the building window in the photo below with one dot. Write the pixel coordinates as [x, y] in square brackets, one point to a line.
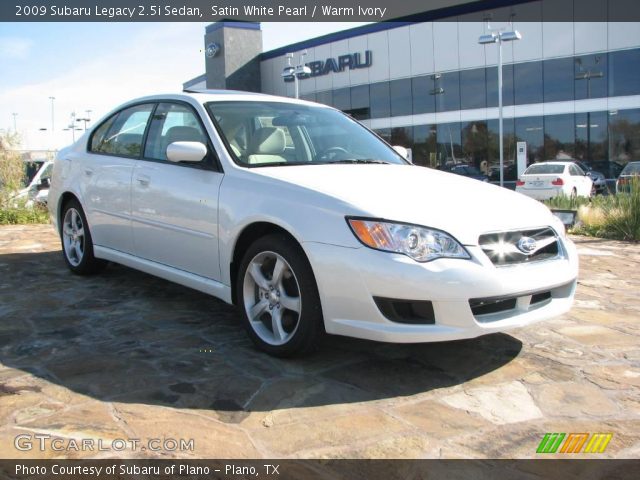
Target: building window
[531, 130]
[559, 136]
[527, 80]
[591, 136]
[401, 102]
[310, 97]
[624, 72]
[509, 150]
[590, 74]
[446, 91]
[449, 144]
[492, 85]
[558, 79]
[624, 137]
[384, 133]
[360, 102]
[424, 145]
[423, 99]
[473, 88]
[325, 97]
[380, 100]
[402, 136]
[475, 139]
[342, 99]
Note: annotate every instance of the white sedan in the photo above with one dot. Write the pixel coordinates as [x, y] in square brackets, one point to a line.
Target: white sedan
[307, 221]
[546, 180]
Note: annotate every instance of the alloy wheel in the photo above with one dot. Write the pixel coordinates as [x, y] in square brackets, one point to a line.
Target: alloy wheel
[272, 299]
[73, 236]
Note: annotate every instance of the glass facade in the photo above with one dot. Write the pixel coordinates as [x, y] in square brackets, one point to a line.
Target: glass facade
[556, 80]
[613, 140]
[607, 139]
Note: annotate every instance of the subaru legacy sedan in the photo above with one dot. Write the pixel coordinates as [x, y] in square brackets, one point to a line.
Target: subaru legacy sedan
[307, 221]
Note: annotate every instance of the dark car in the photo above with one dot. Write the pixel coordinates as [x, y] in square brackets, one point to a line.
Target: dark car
[623, 184]
[466, 170]
[610, 169]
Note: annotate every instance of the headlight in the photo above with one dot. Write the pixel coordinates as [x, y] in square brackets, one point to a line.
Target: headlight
[420, 243]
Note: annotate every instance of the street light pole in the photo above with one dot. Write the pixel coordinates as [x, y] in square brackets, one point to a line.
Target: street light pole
[290, 72]
[499, 37]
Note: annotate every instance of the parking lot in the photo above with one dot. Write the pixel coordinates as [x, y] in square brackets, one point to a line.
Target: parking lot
[124, 355]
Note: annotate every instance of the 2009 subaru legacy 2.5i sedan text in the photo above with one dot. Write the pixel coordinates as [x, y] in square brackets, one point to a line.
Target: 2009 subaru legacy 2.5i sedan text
[307, 221]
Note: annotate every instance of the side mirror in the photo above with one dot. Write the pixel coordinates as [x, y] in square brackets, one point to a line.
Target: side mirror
[402, 151]
[191, 152]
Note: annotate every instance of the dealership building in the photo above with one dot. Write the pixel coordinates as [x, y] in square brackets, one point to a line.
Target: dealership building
[571, 89]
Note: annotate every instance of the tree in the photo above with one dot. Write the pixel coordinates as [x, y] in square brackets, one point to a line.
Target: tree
[11, 167]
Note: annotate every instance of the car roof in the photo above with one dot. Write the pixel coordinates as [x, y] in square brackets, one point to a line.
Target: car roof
[553, 162]
[204, 96]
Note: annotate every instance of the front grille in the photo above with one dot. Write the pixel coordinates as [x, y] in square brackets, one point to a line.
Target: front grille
[509, 248]
[481, 306]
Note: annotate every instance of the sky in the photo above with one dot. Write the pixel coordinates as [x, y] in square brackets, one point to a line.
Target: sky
[97, 66]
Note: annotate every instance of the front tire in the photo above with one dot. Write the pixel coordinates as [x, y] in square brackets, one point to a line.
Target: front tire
[77, 245]
[279, 298]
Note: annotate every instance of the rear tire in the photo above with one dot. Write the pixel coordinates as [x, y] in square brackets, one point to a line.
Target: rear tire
[279, 298]
[77, 245]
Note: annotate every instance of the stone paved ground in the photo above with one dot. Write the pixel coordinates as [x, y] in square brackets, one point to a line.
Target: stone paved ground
[123, 355]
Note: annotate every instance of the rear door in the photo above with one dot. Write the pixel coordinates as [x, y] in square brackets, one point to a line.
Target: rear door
[175, 205]
[113, 151]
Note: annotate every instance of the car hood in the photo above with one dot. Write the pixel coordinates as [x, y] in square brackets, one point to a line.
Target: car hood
[464, 207]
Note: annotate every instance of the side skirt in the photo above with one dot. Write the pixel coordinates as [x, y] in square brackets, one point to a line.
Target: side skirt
[202, 284]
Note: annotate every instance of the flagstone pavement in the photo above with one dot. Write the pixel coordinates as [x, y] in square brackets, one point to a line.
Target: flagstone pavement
[137, 367]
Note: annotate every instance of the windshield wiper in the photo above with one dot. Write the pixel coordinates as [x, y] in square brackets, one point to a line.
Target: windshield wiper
[360, 160]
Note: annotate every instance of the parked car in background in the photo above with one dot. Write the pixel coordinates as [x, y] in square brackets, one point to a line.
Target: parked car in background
[307, 221]
[466, 170]
[546, 180]
[631, 170]
[598, 178]
[37, 181]
[610, 170]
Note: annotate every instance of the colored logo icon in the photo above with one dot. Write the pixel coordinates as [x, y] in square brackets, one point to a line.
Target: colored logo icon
[574, 443]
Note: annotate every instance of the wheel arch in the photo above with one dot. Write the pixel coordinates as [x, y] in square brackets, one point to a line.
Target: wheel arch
[247, 236]
[65, 198]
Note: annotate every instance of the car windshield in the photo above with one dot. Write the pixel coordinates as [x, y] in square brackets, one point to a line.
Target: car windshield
[272, 133]
[631, 169]
[544, 168]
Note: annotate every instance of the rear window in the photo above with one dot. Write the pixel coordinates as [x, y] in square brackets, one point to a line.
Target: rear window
[542, 169]
[631, 168]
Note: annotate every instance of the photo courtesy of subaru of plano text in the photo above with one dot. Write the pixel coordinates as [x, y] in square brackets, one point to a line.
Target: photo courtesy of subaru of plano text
[307, 221]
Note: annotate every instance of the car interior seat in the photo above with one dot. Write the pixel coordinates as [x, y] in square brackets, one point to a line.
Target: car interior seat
[267, 146]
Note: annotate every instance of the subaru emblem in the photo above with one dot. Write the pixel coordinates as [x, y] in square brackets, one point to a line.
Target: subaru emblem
[527, 245]
[212, 50]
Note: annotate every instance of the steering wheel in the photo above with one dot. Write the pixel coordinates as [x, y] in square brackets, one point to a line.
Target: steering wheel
[331, 153]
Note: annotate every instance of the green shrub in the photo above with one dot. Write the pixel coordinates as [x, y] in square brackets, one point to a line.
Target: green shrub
[20, 215]
[615, 217]
[562, 202]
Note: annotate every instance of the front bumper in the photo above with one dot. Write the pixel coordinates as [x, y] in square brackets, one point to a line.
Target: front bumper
[349, 279]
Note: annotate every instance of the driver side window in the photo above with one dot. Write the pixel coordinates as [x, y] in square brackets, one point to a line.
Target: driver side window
[172, 122]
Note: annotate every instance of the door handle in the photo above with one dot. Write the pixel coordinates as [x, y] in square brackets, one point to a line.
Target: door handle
[143, 180]
[88, 172]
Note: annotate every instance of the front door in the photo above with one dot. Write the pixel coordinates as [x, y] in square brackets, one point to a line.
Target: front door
[175, 205]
